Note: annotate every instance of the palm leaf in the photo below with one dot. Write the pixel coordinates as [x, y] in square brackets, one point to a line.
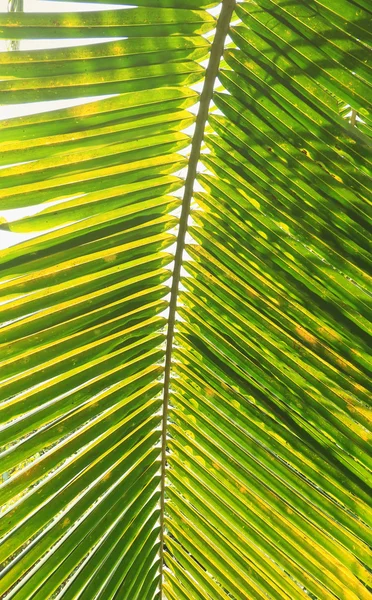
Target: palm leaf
[185, 359]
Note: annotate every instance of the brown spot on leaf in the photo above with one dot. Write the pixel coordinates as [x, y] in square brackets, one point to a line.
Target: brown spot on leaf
[305, 335]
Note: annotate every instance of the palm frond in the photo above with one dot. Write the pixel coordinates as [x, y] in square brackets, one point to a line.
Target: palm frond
[185, 359]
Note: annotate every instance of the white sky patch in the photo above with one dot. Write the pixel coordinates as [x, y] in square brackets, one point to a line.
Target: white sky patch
[7, 238]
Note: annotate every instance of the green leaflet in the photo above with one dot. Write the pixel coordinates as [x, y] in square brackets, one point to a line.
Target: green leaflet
[27, 174]
[117, 172]
[98, 83]
[104, 55]
[114, 23]
[130, 106]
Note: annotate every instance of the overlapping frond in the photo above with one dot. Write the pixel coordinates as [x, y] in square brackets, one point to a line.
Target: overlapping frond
[270, 467]
[83, 298]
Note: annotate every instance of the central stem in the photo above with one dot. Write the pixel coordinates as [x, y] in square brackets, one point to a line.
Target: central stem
[216, 53]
